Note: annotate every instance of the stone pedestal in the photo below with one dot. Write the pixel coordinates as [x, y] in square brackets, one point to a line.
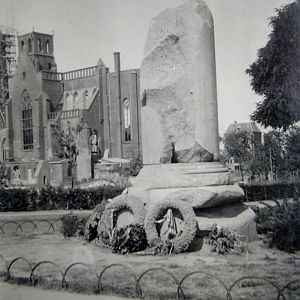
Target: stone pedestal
[207, 187]
[58, 172]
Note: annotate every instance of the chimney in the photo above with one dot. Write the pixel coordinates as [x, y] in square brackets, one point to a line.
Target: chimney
[117, 62]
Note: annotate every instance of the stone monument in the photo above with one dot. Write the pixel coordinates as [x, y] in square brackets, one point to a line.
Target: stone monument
[180, 124]
[178, 79]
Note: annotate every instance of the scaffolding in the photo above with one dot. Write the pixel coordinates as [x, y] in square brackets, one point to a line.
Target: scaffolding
[7, 67]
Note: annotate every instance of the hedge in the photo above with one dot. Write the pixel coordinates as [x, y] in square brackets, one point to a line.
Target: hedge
[258, 191]
[52, 198]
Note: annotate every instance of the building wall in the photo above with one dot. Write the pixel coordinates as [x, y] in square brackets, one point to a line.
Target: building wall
[130, 90]
[53, 89]
[32, 83]
[3, 144]
[93, 106]
[99, 106]
[115, 116]
[124, 85]
[40, 54]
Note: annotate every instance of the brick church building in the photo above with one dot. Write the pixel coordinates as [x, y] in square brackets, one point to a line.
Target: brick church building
[43, 103]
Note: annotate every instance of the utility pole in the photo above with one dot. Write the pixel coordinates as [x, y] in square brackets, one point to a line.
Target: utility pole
[271, 163]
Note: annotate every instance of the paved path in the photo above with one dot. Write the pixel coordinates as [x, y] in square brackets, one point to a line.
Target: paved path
[21, 292]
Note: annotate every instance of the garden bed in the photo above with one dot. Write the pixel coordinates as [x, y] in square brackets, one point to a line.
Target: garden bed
[278, 267]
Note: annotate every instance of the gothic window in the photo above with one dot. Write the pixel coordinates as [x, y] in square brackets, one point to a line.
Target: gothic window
[26, 121]
[39, 45]
[127, 117]
[85, 98]
[3, 149]
[47, 46]
[29, 45]
[67, 105]
[75, 100]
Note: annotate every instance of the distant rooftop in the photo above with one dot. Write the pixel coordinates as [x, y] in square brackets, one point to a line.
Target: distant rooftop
[247, 127]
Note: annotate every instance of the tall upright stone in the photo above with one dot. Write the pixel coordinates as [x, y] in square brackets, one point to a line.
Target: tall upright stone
[84, 157]
[178, 82]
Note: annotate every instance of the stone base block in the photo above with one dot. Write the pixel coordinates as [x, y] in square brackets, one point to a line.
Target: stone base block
[202, 197]
[238, 218]
[182, 175]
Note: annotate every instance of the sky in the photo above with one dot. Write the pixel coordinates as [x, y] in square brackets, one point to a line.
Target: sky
[85, 30]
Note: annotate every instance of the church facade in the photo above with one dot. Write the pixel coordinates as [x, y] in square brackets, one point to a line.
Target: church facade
[45, 103]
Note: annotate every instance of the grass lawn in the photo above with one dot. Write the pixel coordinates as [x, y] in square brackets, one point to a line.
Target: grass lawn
[277, 266]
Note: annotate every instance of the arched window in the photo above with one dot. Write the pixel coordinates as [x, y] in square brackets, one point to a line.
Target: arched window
[22, 44]
[16, 172]
[85, 99]
[67, 105]
[3, 149]
[47, 46]
[127, 117]
[39, 45]
[29, 45]
[26, 121]
[75, 101]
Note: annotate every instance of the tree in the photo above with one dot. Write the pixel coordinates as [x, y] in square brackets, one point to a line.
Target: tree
[259, 163]
[275, 74]
[68, 149]
[238, 146]
[293, 149]
[274, 144]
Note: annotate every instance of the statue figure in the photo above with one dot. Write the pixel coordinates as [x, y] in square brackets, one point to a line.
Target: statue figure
[16, 172]
[95, 143]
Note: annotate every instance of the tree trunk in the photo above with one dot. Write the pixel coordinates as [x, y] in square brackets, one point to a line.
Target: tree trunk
[242, 173]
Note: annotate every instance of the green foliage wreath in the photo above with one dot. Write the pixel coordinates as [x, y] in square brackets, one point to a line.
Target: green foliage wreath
[181, 241]
[131, 203]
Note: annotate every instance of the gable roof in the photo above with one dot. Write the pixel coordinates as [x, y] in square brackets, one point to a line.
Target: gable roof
[249, 127]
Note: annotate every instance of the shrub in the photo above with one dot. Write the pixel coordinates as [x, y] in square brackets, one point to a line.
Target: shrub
[135, 166]
[280, 224]
[116, 180]
[224, 241]
[17, 199]
[70, 225]
[73, 225]
[51, 198]
[257, 191]
[130, 239]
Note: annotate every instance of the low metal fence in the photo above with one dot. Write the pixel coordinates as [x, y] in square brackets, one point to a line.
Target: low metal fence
[30, 226]
[290, 290]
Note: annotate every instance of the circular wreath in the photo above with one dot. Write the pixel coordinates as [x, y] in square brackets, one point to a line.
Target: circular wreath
[91, 226]
[131, 203]
[180, 242]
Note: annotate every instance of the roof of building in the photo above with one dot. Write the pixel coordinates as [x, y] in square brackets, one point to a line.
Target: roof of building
[250, 127]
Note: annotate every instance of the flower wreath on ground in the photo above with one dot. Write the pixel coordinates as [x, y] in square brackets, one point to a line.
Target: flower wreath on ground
[122, 202]
[91, 226]
[181, 241]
